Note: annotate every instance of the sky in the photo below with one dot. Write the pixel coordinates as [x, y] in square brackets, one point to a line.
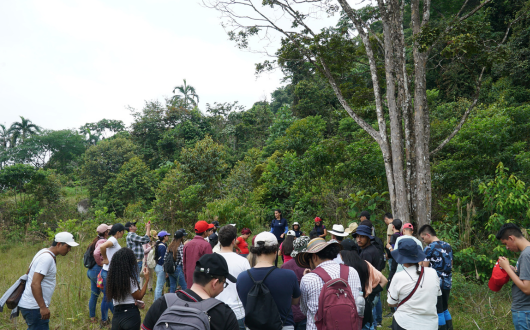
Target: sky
[64, 63]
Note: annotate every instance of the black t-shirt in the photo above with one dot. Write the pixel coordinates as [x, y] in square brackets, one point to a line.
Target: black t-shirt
[394, 238]
[370, 254]
[221, 316]
[213, 239]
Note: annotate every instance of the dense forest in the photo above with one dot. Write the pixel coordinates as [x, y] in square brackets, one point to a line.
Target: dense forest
[181, 160]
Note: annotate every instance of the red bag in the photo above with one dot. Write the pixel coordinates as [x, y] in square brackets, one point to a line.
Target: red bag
[499, 277]
[336, 304]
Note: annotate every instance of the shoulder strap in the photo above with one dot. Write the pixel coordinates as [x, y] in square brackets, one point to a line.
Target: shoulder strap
[208, 304]
[186, 294]
[413, 290]
[47, 251]
[171, 298]
[263, 280]
[344, 272]
[322, 273]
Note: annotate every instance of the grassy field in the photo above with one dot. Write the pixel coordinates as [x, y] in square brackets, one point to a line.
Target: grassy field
[473, 306]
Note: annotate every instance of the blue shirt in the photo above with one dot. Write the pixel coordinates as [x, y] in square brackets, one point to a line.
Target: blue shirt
[282, 283]
[160, 253]
[440, 255]
[319, 229]
[279, 227]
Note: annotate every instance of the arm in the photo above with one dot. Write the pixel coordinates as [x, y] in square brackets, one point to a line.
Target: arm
[295, 301]
[36, 290]
[139, 294]
[383, 281]
[325, 233]
[140, 239]
[103, 248]
[425, 263]
[523, 285]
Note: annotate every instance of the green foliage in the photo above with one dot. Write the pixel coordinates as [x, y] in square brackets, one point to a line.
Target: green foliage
[361, 201]
[45, 185]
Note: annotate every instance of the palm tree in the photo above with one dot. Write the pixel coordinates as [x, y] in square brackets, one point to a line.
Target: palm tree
[4, 136]
[23, 129]
[188, 94]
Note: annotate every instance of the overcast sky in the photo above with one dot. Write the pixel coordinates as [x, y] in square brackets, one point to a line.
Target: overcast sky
[64, 63]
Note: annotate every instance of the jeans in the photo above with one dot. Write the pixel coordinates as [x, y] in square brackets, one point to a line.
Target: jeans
[92, 275]
[521, 320]
[127, 317]
[300, 325]
[33, 319]
[177, 278]
[105, 305]
[378, 309]
[241, 324]
[140, 264]
[160, 281]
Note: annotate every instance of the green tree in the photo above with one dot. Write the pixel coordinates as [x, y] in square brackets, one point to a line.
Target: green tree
[15, 178]
[189, 95]
[22, 130]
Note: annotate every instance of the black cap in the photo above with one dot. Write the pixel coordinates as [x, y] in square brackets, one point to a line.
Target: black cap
[129, 224]
[180, 233]
[349, 245]
[215, 223]
[214, 264]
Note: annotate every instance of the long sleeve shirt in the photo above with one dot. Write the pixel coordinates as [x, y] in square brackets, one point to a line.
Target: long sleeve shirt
[193, 250]
[134, 242]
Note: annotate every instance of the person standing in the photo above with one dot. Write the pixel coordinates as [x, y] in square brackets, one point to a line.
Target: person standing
[414, 290]
[92, 273]
[511, 236]
[319, 228]
[147, 248]
[286, 248]
[338, 233]
[160, 251]
[175, 248]
[135, 242]
[241, 242]
[40, 285]
[439, 255]
[390, 228]
[194, 250]
[279, 226]
[108, 249]
[214, 238]
[297, 230]
[124, 290]
[236, 266]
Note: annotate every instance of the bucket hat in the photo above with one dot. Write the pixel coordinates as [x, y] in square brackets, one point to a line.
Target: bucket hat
[314, 246]
[408, 252]
[299, 245]
[364, 231]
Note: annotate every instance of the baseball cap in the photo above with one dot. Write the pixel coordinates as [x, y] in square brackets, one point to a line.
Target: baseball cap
[317, 219]
[180, 233]
[103, 228]
[163, 233]
[211, 225]
[214, 264]
[201, 226]
[129, 224]
[408, 226]
[291, 233]
[499, 277]
[65, 237]
[246, 231]
[215, 223]
[268, 238]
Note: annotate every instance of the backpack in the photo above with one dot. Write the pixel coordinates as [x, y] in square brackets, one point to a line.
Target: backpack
[88, 259]
[261, 312]
[380, 263]
[151, 262]
[336, 304]
[169, 263]
[185, 315]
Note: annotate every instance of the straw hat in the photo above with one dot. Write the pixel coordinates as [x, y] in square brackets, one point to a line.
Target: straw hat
[352, 228]
[314, 246]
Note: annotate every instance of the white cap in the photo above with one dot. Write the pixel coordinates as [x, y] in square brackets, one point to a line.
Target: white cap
[65, 237]
[291, 233]
[296, 224]
[268, 238]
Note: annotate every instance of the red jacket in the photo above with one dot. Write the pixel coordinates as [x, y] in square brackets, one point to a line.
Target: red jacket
[193, 250]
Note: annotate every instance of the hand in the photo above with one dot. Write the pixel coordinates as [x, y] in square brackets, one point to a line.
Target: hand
[44, 313]
[504, 263]
[513, 268]
[140, 304]
[146, 274]
[167, 275]
[148, 227]
[388, 246]
[282, 235]
[306, 271]
[105, 261]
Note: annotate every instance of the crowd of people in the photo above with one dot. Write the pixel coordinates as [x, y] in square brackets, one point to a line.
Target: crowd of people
[217, 278]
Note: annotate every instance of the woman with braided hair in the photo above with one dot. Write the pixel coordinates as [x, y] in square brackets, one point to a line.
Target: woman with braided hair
[124, 290]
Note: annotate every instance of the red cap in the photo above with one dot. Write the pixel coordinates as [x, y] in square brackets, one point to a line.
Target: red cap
[499, 277]
[317, 219]
[408, 226]
[211, 225]
[201, 226]
[245, 231]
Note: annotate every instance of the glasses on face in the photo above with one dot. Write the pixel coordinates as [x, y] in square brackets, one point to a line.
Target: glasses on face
[224, 283]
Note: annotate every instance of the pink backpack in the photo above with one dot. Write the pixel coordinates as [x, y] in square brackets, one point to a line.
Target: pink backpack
[336, 306]
[97, 252]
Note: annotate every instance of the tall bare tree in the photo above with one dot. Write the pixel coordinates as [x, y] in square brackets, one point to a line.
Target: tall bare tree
[403, 132]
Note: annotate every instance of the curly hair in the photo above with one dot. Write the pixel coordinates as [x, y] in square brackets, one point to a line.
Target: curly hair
[123, 271]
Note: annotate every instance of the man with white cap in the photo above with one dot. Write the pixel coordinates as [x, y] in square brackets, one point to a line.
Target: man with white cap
[338, 234]
[35, 301]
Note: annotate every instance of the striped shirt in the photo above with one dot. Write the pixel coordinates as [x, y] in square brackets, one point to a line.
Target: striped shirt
[312, 284]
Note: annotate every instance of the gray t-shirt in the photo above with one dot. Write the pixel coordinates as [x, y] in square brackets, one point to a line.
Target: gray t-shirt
[521, 301]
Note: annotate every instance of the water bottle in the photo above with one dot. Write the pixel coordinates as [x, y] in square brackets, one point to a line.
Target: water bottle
[359, 301]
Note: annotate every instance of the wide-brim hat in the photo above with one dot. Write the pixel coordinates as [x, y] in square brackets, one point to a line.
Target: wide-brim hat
[352, 228]
[314, 246]
[409, 252]
[338, 230]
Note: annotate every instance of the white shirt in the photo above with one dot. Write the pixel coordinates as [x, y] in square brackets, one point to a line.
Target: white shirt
[312, 284]
[399, 266]
[129, 299]
[111, 250]
[43, 263]
[236, 265]
[419, 312]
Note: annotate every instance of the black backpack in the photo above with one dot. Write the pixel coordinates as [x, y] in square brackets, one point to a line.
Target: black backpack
[169, 263]
[88, 258]
[261, 312]
[380, 263]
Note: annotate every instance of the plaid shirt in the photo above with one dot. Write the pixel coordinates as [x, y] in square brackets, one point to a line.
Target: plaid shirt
[179, 255]
[134, 242]
[311, 285]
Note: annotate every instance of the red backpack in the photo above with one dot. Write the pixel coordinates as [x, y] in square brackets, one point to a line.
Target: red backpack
[336, 306]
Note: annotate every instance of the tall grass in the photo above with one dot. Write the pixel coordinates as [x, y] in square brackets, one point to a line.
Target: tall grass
[473, 306]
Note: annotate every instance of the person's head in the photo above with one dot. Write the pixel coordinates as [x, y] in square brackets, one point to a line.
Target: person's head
[227, 236]
[215, 224]
[123, 271]
[318, 222]
[211, 273]
[201, 228]
[352, 259]
[63, 242]
[265, 246]
[365, 215]
[388, 218]
[363, 236]
[163, 236]
[338, 233]
[510, 235]
[313, 234]
[318, 251]
[131, 227]
[408, 229]
[397, 224]
[245, 233]
[300, 245]
[367, 223]
[117, 230]
[287, 245]
[296, 226]
[178, 237]
[427, 234]
[409, 253]
[278, 214]
[103, 232]
[154, 235]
